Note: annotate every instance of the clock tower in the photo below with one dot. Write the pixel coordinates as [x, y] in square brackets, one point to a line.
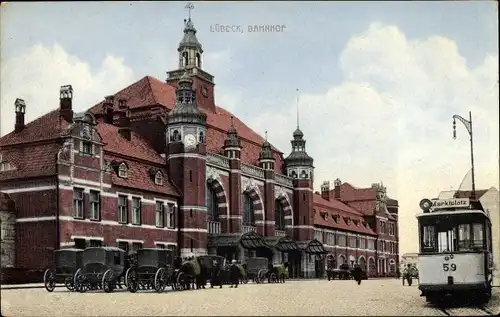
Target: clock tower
[186, 135]
[191, 61]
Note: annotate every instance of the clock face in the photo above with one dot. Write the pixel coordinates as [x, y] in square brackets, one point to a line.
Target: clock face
[189, 140]
[204, 91]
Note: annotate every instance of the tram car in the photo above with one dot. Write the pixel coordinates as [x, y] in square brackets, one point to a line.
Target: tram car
[67, 262]
[455, 257]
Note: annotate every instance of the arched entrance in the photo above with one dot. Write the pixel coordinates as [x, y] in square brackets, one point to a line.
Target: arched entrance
[392, 267]
[217, 209]
[372, 267]
[342, 260]
[362, 263]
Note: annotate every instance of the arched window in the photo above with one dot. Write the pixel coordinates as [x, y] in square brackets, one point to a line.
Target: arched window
[123, 170]
[303, 174]
[248, 211]
[198, 60]
[176, 136]
[185, 58]
[293, 174]
[279, 215]
[159, 178]
[201, 137]
[213, 215]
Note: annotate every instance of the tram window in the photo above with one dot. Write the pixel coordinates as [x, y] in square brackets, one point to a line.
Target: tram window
[464, 240]
[477, 236]
[428, 241]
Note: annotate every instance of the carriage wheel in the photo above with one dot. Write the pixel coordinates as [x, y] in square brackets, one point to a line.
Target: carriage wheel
[49, 279]
[80, 282]
[272, 278]
[108, 281]
[181, 281]
[261, 275]
[244, 279]
[69, 283]
[131, 280]
[160, 280]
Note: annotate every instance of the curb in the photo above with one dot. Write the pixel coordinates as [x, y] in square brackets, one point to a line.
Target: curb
[24, 286]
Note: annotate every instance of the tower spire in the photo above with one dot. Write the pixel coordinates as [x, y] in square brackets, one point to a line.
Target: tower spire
[266, 135]
[189, 6]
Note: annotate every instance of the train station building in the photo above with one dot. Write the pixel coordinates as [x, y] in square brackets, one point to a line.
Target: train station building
[159, 164]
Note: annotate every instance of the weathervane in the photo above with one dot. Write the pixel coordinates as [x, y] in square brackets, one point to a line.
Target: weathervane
[190, 7]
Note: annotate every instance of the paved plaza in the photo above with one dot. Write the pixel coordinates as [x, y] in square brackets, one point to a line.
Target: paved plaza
[315, 297]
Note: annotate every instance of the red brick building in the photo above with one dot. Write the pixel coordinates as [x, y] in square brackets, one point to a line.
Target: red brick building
[159, 164]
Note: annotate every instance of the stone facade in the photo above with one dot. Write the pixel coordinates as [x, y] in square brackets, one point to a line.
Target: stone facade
[8, 229]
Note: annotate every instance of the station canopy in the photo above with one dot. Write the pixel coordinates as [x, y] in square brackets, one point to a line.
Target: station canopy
[248, 240]
[283, 244]
[312, 246]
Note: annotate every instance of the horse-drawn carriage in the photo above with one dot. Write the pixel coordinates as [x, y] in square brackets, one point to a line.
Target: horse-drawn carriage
[101, 267]
[257, 269]
[342, 273]
[66, 263]
[154, 269]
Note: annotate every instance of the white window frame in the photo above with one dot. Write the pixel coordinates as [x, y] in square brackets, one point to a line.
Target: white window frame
[123, 210]
[136, 211]
[123, 170]
[95, 205]
[86, 147]
[159, 178]
[170, 216]
[159, 214]
[78, 203]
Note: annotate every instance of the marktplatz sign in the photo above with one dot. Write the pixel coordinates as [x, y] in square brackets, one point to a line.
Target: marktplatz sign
[450, 203]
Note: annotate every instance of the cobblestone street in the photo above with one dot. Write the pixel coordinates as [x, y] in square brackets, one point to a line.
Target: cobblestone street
[372, 297]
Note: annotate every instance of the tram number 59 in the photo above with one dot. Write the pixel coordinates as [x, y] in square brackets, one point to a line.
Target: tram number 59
[449, 267]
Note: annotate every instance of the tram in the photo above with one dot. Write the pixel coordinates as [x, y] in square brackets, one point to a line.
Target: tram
[455, 257]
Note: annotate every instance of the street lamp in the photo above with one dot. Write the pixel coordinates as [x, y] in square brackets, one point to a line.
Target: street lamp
[468, 126]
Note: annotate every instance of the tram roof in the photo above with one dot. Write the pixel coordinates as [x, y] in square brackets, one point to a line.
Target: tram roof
[448, 212]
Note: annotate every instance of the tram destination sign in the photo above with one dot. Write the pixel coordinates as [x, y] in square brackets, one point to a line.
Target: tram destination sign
[450, 203]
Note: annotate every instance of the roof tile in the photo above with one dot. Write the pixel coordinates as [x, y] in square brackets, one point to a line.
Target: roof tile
[334, 207]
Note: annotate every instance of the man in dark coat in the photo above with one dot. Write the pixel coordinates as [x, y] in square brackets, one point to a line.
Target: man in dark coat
[216, 278]
[356, 273]
[234, 274]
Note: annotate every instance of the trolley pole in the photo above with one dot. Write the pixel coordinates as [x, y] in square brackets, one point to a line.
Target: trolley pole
[468, 126]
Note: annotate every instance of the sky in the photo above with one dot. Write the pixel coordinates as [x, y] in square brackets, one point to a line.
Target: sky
[378, 82]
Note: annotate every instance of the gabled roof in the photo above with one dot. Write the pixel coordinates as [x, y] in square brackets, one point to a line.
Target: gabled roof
[47, 127]
[334, 208]
[351, 193]
[150, 91]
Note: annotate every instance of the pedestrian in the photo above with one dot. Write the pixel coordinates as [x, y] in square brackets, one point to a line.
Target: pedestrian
[234, 274]
[356, 273]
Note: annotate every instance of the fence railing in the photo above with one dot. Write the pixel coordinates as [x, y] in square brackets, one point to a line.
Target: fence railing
[246, 229]
[214, 227]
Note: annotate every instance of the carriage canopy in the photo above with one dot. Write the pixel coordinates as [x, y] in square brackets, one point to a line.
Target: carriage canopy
[110, 256]
[68, 257]
[283, 244]
[153, 257]
[312, 246]
[248, 240]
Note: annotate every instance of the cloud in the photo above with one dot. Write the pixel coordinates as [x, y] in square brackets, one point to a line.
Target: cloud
[390, 119]
[37, 74]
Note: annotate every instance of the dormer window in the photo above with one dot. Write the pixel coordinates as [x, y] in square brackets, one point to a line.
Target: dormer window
[4, 166]
[347, 220]
[336, 218]
[324, 215]
[123, 170]
[159, 178]
[356, 222]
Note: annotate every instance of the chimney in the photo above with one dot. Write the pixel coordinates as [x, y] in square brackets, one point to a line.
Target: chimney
[336, 190]
[325, 190]
[124, 120]
[66, 103]
[108, 109]
[20, 106]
